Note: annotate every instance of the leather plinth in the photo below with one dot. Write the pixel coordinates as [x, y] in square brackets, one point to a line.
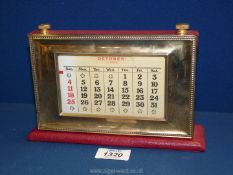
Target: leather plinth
[197, 143]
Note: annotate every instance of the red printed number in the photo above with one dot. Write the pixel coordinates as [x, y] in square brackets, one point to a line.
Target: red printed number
[69, 82]
[70, 95]
[70, 101]
[70, 88]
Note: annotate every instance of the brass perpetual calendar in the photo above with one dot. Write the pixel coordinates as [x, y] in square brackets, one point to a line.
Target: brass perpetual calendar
[115, 82]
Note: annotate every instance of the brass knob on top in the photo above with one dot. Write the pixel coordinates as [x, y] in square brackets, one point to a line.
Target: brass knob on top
[182, 28]
[44, 28]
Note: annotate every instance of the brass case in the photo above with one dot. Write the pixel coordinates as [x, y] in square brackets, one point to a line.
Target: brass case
[178, 48]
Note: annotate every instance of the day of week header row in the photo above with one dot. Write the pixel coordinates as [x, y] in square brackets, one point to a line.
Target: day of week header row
[112, 69]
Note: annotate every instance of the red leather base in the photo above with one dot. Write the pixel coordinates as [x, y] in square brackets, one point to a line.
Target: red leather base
[197, 143]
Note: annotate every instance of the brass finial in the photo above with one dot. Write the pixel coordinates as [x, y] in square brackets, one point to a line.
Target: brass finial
[182, 28]
[44, 28]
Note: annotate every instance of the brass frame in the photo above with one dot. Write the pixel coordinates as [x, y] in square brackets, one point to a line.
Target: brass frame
[178, 124]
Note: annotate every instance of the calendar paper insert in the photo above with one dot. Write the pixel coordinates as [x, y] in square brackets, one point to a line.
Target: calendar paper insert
[112, 86]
